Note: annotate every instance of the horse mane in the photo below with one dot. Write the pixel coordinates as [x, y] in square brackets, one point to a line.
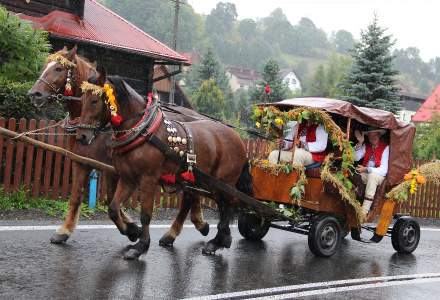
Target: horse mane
[120, 86]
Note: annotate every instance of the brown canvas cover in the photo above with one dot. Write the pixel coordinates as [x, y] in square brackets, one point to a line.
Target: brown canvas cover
[401, 133]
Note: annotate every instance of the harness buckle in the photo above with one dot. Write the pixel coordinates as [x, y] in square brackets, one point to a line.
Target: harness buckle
[191, 158]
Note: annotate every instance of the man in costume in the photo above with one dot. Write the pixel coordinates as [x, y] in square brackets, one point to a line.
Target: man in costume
[374, 165]
[311, 142]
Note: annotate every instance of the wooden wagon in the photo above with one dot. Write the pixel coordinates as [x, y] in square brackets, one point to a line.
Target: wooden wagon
[324, 217]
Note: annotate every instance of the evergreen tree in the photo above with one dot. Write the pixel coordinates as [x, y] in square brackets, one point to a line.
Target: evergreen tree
[370, 82]
[209, 99]
[271, 77]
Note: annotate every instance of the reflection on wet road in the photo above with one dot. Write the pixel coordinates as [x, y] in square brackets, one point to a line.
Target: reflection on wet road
[90, 266]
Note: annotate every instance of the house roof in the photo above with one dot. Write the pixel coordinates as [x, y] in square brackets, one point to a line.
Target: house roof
[244, 73]
[103, 27]
[429, 107]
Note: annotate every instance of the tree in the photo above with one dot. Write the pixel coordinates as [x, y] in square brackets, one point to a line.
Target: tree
[427, 141]
[318, 87]
[271, 77]
[371, 81]
[23, 51]
[343, 41]
[209, 99]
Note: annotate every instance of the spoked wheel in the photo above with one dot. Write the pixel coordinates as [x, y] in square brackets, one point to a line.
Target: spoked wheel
[325, 236]
[252, 226]
[405, 236]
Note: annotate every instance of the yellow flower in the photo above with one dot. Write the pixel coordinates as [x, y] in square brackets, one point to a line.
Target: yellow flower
[258, 124]
[279, 122]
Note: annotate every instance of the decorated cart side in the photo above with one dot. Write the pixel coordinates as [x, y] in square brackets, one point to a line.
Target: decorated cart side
[322, 199]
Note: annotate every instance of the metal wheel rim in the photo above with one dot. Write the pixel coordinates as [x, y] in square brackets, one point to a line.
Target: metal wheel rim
[409, 235]
[328, 237]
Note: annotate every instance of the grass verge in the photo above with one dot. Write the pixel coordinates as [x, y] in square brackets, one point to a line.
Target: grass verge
[20, 200]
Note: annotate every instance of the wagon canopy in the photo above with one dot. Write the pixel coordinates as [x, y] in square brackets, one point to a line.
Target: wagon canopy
[401, 133]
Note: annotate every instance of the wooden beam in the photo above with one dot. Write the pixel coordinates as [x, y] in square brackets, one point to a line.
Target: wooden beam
[78, 158]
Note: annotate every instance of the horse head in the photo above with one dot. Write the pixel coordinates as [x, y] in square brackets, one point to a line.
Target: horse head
[95, 113]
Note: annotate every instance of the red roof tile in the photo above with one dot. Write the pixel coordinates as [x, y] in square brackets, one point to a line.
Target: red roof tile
[430, 106]
[103, 27]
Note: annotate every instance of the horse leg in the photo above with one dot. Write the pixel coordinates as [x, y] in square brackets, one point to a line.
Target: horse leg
[147, 189]
[123, 192]
[80, 174]
[223, 238]
[111, 180]
[168, 238]
[197, 216]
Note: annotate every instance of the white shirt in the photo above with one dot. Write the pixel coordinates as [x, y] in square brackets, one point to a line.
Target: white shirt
[382, 170]
[318, 146]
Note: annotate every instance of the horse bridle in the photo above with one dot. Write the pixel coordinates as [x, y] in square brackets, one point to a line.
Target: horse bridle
[57, 96]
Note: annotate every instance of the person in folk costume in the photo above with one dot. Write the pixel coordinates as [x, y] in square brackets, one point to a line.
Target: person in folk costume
[310, 146]
[374, 165]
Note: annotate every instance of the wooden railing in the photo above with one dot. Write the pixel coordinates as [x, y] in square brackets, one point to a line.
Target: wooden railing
[45, 174]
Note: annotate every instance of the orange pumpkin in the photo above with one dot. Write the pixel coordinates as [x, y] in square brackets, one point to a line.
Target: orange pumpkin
[421, 179]
[408, 176]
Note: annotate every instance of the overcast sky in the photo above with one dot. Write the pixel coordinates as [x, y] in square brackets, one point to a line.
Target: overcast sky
[411, 22]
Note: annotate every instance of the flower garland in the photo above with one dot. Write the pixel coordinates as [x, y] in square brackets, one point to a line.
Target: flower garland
[57, 57]
[93, 88]
[414, 179]
[116, 119]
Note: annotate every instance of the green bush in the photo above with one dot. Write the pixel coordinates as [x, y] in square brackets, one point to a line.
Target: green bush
[14, 102]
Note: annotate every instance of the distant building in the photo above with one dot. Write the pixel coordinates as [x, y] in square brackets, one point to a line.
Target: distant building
[410, 103]
[429, 107]
[289, 77]
[163, 87]
[242, 78]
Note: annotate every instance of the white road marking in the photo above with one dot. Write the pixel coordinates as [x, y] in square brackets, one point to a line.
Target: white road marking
[430, 229]
[319, 288]
[87, 227]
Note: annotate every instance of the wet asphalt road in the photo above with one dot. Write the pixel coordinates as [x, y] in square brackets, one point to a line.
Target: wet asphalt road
[90, 266]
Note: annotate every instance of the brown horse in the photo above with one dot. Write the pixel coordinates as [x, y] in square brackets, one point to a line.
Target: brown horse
[219, 152]
[66, 66]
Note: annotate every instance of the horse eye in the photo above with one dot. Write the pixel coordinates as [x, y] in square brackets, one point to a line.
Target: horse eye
[94, 101]
[58, 69]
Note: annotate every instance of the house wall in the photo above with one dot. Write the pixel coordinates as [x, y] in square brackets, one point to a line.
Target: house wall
[293, 82]
[405, 115]
[43, 7]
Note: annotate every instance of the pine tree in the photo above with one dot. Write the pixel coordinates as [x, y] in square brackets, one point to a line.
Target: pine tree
[371, 80]
[209, 99]
[271, 77]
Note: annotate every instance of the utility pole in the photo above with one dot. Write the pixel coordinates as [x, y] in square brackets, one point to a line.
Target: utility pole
[176, 27]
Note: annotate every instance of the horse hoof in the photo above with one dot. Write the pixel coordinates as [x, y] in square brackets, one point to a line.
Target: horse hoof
[132, 254]
[205, 229]
[59, 238]
[133, 232]
[166, 241]
[210, 248]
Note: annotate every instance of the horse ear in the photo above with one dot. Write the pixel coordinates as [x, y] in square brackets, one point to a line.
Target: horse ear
[102, 75]
[64, 49]
[72, 52]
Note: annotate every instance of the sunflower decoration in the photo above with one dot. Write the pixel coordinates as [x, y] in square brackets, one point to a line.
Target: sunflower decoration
[116, 119]
[415, 179]
[411, 181]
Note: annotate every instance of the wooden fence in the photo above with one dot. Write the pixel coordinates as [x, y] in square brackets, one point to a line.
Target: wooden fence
[45, 174]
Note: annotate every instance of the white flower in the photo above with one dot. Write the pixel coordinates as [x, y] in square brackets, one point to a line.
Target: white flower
[281, 206]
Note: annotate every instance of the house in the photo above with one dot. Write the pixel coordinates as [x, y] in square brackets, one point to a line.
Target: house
[430, 107]
[289, 77]
[101, 35]
[242, 78]
[163, 87]
[410, 103]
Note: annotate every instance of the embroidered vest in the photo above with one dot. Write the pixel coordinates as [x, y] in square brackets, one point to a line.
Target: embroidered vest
[377, 153]
[310, 138]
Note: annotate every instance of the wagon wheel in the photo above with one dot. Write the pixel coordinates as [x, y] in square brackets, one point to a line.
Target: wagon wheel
[325, 236]
[252, 226]
[405, 236]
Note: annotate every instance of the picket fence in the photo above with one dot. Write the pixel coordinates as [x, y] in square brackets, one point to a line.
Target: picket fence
[46, 174]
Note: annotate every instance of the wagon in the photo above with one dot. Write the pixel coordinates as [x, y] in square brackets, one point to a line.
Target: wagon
[322, 215]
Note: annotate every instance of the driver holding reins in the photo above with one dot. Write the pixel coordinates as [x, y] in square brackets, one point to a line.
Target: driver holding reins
[374, 166]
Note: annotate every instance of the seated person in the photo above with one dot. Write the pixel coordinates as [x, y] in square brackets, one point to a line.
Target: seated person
[311, 144]
[374, 166]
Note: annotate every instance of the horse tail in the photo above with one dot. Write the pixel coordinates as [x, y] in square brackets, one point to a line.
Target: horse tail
[244, 183]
